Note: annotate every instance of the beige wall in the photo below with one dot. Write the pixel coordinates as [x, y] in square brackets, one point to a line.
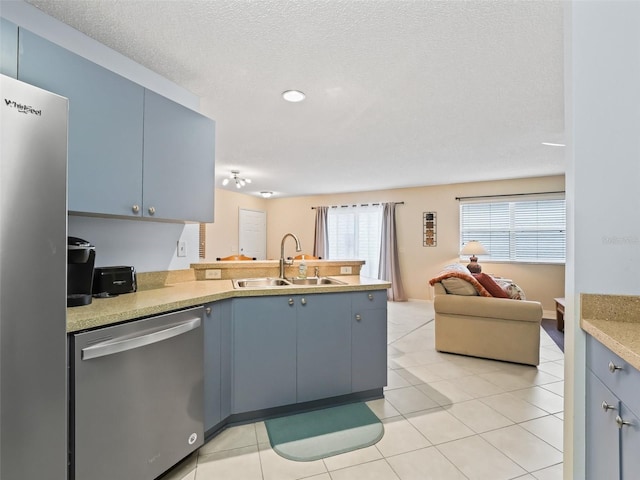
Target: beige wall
[418, 264]
[222, 236]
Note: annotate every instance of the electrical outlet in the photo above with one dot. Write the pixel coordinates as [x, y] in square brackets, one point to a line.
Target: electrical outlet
[213, 274]
[182, 248]
[345, 270]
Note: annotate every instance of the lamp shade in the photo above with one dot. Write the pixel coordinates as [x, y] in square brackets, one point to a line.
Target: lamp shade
[474, 247]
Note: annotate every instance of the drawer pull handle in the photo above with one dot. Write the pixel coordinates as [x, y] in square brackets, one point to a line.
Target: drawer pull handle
[613, 367]
[135, 208]
[621, 423]
[606, 406]
[358, 317]
[291, 301]
[303, 301]
[370, 296]
[207, 310]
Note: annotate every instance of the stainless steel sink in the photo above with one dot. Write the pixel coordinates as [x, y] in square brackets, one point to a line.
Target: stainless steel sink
[270, 282]
[260, 282]
[316, 281]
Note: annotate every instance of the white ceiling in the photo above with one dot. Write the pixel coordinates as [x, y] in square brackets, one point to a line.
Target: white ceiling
[399, 93]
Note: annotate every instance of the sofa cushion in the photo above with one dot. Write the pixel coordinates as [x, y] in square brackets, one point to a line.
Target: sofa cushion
[461, 272]
[458, 286]
[515, 292]
[489, 283]
[456, 267]
[512, 290]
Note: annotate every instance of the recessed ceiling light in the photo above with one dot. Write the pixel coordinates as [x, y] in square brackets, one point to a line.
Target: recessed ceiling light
[266, 194]
[293, 95]
[554, 144]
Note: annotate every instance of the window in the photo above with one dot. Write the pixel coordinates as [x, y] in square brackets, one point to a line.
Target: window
[354, 234]
[532, 230]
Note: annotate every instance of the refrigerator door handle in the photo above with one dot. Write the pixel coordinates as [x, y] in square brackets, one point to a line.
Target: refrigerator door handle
[122, 344]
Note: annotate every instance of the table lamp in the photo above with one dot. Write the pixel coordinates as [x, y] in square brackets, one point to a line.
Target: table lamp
[474, 248]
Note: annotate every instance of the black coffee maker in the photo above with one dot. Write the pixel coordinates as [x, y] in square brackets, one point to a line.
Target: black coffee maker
[81, 256]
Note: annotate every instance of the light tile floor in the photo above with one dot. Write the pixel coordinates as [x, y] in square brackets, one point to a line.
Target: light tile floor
[446, 417]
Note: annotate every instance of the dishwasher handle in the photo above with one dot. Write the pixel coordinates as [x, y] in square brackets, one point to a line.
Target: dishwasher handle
[128, 342]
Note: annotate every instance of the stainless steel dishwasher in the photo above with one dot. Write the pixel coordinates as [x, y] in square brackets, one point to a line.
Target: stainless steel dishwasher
[137, 397]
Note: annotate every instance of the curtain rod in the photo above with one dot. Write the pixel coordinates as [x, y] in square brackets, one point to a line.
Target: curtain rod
[509, 195]
[359, 205]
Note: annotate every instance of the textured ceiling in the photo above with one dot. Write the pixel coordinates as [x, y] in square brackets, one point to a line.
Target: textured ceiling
[399, 93]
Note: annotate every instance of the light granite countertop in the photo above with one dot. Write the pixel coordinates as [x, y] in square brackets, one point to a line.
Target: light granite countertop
[106, 311]
[614, 320]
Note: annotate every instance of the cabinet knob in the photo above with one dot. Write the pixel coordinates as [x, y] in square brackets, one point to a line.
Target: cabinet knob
[358, 317]
[621, 423]
[303, 301]
[291, 301]
[370, 296]
[207, 310]
[613, 367]
[606, 406]
[152, 210]
[135, 208]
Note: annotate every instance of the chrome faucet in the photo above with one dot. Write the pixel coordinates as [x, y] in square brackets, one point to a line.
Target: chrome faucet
[284, 262]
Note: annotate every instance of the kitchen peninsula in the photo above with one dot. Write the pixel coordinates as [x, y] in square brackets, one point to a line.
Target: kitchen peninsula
[267, 350]
[161, 292]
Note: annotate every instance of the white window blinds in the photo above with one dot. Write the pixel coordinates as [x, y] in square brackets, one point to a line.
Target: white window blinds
[517, 231]
[354, 234]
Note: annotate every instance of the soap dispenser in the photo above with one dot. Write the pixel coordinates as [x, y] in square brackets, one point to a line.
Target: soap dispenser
[302, 269]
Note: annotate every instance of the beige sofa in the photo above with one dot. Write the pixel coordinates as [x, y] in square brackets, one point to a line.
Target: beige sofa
[496, 328]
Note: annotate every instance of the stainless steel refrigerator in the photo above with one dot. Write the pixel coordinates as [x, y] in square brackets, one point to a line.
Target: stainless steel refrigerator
[33, 252]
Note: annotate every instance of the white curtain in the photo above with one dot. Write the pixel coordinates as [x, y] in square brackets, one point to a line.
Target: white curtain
[354, 234]
[389, 268]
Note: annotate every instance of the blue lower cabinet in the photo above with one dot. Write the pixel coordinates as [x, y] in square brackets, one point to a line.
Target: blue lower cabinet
[369, 348]
[288, 349]
[217, 391]
[226, 358]
[629, 444]
[264, 353]
[323, 345]
[601, 431]
[612, 415]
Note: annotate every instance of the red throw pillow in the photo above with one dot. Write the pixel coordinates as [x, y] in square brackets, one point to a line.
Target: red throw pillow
[490, 285]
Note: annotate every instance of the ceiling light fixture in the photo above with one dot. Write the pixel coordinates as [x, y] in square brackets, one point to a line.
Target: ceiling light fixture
[549, 144]
[293, 95]
[235, 177]
[266, 194]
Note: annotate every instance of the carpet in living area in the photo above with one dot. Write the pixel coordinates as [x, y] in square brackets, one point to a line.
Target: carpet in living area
[550, 326]
[323, 433]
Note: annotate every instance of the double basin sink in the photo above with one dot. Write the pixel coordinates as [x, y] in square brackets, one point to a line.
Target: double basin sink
[269, 282]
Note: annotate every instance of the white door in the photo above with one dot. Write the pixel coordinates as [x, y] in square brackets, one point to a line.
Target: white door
[252, 235]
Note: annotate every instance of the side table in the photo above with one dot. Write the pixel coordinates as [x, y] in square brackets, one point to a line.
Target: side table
[560, 313]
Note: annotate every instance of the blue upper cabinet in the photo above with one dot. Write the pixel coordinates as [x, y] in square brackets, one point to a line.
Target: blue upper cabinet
[132, 152]
[179, 161]
[105, 126]
[8, 48]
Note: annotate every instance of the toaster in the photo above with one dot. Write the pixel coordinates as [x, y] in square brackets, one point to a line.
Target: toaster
[112, 281]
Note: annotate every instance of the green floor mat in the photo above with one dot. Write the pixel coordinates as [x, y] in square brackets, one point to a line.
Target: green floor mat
[322, 433]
